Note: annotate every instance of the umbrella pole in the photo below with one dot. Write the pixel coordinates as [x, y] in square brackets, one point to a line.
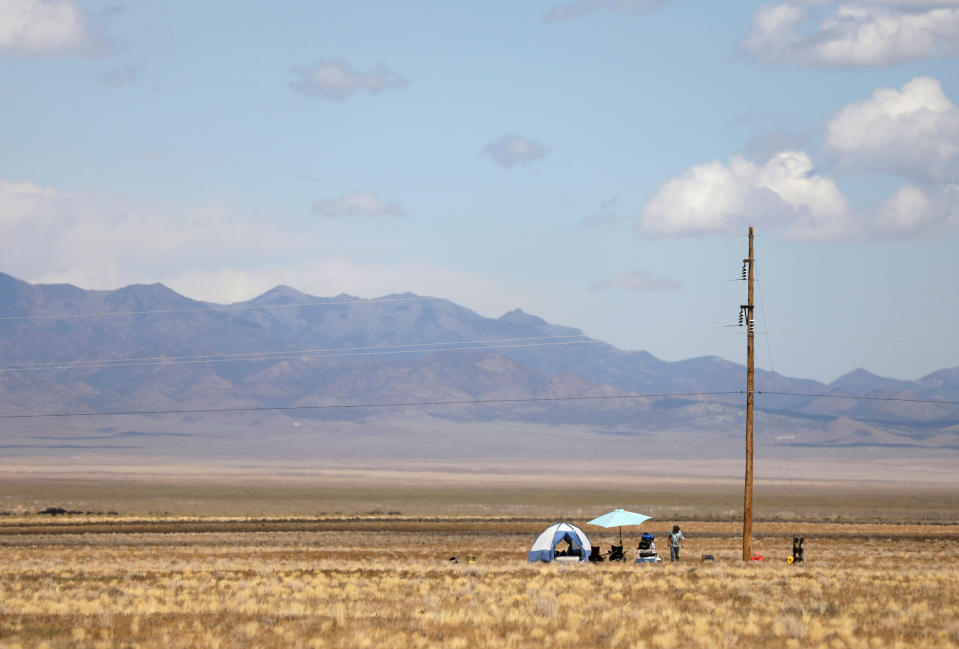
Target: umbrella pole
[620, 535]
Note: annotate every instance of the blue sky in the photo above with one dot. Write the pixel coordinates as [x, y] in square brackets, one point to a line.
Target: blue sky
[595, 162]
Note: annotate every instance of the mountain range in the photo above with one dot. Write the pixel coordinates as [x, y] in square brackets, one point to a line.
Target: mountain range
[293, 373]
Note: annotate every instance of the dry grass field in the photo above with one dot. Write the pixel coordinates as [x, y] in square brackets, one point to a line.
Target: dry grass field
[378, 580]
[389, 584]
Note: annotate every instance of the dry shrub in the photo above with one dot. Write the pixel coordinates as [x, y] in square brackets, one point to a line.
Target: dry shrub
[325, 589]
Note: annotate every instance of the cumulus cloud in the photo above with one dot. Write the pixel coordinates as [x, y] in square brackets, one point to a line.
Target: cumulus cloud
[912, 131]
[356, 204]
[582, 8]
[786, 194]
[637, 280]
[872, 33]
[41, 28]
[337, 80]
[512, 149]
[720, 198]
[912, 211]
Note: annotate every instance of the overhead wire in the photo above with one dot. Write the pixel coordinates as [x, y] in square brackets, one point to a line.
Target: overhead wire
[867, 289]
[305, 353]
[301, 356]
[218, 307]
[396, 404]
[785, 474]
[478, 345]
[288, 355]
[762, 310]
[862, 397]
[457, 402]
[307, 305]
[823, 334]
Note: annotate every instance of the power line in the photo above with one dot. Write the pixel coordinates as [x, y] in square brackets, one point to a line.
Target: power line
[459, 402]
[398, 404]
[866, 289]
[821, 334]
[762, 309]
[782, 458]
[344, 352]
[307, 305]
[859, 397]
[224, 307]
[432, 346]
[386, 350]
[330, 352]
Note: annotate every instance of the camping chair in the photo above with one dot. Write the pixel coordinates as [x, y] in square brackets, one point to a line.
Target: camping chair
[594, 555]
[647, 546]
[616, 553]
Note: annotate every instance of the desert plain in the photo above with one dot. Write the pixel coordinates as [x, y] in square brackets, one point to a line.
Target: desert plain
[359, 556]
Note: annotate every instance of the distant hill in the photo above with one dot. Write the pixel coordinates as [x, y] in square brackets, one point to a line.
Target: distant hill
[145, 347]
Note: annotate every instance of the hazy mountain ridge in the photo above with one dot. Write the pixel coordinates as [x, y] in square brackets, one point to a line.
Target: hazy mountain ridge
[158, 350]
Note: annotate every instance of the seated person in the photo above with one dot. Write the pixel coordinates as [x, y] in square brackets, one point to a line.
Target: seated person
[568, 551]
[647, 545]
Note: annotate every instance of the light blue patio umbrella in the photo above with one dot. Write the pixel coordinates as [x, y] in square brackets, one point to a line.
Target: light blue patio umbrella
[618, 518]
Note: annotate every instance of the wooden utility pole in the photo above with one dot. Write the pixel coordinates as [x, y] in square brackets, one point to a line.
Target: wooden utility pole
[750, 371]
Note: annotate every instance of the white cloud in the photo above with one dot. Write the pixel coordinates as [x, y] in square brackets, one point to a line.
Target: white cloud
[48, 235]
[723, 198]
[637, 280]
[875, 33]
[101, 241]
[913, 211]
[44, 28]
[705, 199]
[772, 35]
[356, 204]
[582, 8]
[786, 194]
[512, 149]
[337, 80]
[910, 212]
[789, 175]
[913, 131]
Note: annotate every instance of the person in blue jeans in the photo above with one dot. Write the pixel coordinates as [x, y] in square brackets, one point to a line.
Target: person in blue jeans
[675, 540]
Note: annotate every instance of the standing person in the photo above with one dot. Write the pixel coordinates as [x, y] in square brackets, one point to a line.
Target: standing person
[675, 541]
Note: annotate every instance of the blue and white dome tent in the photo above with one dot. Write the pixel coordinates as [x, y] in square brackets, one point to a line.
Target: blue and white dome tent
[544, 547]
